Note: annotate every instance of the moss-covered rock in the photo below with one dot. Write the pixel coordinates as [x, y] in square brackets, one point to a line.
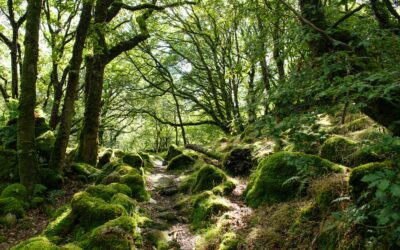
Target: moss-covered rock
[327, 189]
[106, 192]
[180, 162]
[173, 151]
[238, 161]
[15, 190]
[36, 243]
[92, 211]
[229, 241]
[61, 226]
[339, 150]
[11, 205]
[9, 168]
[269, 183]
[137, 184]
[204, 206]
[134, 160]
[356, 185]
[50, 177]
[207, 178]
[86, 170]
[116, 234]
[127, 202]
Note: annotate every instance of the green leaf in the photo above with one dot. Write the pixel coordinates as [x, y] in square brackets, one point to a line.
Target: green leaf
[395, 190]
[383, 185]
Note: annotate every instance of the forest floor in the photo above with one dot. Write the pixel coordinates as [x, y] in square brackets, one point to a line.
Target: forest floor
[162, 209]
[37, 219]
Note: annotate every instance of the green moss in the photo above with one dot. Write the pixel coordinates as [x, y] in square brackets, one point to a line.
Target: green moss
[125, 201]
[86, 170]
[8, 169]
[205, 205]
[364, 156]
[107, 192]
[173, 151]
[229, 241]
[11, 205]
[15, 190]
[118, 234]
[267, 182]
[61, 226]
[356, 185]
[36, 243]
[339, 150]
[180, 162]
[137, 184]
[134, 160]
[224, 188]
[159, 239]
[92, 211]
[207, 178]
[71, 246]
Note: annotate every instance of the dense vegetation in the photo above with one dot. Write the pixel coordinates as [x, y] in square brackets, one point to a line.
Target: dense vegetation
[203, 124]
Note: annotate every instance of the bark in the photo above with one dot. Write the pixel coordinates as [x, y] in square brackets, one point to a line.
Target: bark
[58, 156]
[251, 97]
[27, 158]
[88, 143]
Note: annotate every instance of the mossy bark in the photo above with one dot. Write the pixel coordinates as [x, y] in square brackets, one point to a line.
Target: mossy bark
[27, 158]
[60, 146]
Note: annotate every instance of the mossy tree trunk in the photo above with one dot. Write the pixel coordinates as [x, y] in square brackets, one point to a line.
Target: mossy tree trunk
[58, 155]
[27, 158]
[105, 11]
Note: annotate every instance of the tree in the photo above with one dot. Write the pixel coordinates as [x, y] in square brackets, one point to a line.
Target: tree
[27, 158]
[12, 43]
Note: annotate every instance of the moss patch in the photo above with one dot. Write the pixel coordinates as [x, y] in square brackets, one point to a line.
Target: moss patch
[267, 182]
[204, 206]
[357, 186]
[134, 160]
[208, 177]
[92, 211]
[86, 170]
[173, 151]
[229, 241]
[180, 162]
[137, 184]
[125, 201]
[37, 243]
[116, 234]
[339, 150]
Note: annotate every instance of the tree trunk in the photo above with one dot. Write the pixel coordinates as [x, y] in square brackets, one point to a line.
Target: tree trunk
[251, 97]
[27, 158]
[58, 155]
[14, 64]
[88, 144]
[54, 116]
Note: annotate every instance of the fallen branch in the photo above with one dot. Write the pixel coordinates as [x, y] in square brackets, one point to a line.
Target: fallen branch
[204, 151]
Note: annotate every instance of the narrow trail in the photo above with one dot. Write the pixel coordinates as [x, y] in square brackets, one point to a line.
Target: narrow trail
[173, 227]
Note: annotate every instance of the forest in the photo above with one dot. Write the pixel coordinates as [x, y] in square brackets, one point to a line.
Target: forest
[199, 124]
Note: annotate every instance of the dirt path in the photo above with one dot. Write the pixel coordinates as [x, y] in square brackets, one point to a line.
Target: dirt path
[173, 226]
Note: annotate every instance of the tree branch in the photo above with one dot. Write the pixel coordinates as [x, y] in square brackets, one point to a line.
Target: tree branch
[150, 6]
[349, 14]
